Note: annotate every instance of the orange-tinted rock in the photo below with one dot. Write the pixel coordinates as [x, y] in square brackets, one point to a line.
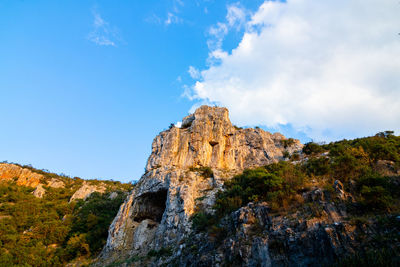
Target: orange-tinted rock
[22, 176]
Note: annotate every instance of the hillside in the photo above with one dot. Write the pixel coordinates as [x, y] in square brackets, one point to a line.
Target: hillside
[48, 219]
[217, 195]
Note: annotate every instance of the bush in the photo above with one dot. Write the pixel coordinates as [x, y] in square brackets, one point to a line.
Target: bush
[206, 172]
[287, 142]
[93, 217]
[312, 148]
[275, 183]
[378, 258]
[295, 156]
[377, 193]
[349, 163]
[163, 252]
[318, 166]
[383, 146]
[201, 221]
[286, 155]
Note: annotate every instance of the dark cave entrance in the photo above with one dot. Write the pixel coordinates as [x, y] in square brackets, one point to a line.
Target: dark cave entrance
[151, 206]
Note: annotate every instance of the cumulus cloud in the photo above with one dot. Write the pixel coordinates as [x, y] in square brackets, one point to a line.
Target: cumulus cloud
[328, 68]
[102, 33]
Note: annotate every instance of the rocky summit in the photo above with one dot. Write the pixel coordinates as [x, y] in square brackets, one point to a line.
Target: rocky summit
[186, 164]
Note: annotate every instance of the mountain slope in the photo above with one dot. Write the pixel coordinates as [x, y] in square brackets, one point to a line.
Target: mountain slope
[216, 195]
[41, 226]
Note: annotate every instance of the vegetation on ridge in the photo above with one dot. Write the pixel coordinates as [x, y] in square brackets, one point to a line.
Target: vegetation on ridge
[369, 169]
[50, 231]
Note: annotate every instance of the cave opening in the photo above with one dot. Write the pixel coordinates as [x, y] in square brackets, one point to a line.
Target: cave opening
[151, 206]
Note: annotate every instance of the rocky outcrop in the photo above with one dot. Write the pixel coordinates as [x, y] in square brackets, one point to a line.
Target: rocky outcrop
[207, 138]
[387, 167]
[22, 176]
[86, 190]
[317, 233]
[26, 177]
[39, 191]
[255, 238]
[55, 183]
[156, 214]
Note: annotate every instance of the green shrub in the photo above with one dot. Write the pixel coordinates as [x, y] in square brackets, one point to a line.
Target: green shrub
[206, 172]
[286, 155]
[376, 198]
[382, 257]
[292, 175]
[201, 221]
[287, 142]
[377, 193]
[255, 185]
[163, 252]
[349, 163]
[312, 148]
[318, 166]
[92, 218]
[295, 156]
[383, 146]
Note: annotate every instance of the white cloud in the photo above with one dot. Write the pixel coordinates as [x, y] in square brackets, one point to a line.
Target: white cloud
[235, 19]
[236, 15]
[172, 19]
[194, 73]
[328, 68]
[102, 34]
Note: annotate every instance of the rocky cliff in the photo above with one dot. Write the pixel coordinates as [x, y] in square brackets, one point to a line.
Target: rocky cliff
[22, 176]
[186, 164]
[205, 200]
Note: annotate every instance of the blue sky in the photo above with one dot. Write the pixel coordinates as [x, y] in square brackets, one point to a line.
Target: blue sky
[86, 85]
[90, 110]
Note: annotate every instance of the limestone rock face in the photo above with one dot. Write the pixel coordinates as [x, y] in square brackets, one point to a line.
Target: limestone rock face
[39, 191]
[156, 214]
[55, 183]
[209, 139]
[86, 190]
[23, 176]
[306, 236]
[255, 238]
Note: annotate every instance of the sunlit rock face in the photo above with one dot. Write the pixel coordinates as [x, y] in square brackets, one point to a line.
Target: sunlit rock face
[156, 214]
[22, 176]
[86, 190]
[207, 138]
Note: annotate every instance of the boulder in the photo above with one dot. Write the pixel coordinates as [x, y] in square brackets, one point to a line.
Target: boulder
[86, 190]
[39, 191]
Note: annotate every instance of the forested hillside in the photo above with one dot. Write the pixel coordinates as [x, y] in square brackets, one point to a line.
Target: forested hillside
[53, 230]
